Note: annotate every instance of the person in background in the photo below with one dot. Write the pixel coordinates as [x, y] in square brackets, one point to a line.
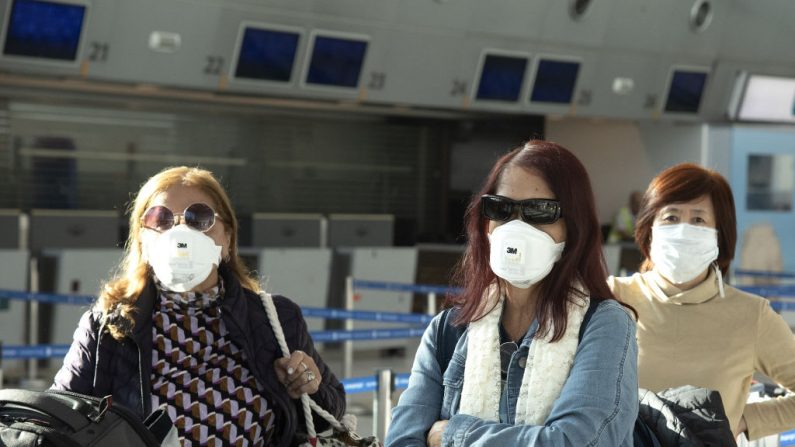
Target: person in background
[694, 329]
[623, 228]
[546, 354]
[183, 325]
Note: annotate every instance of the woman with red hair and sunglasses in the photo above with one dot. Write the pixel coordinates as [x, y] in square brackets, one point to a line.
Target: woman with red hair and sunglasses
[183, 325]
[694, 329]
[541, 352]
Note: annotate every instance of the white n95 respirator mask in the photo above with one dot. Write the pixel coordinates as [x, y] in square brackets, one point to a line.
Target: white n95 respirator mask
[522, 254]
[181, 257]
[681, 252]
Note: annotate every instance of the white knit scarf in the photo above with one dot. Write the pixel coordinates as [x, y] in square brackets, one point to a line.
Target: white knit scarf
[548, 366]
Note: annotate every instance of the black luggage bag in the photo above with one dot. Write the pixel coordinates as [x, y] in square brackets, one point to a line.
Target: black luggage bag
[60, 418]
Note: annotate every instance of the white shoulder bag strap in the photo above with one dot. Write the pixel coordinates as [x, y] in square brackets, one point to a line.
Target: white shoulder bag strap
[307, 403]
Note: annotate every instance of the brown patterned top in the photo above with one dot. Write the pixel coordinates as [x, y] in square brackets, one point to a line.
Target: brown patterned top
[212, 397]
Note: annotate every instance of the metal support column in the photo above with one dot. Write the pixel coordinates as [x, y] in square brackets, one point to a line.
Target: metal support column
[347, 365]
[382, 403]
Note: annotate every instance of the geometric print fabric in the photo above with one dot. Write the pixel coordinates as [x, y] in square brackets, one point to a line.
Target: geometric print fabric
[213, 399]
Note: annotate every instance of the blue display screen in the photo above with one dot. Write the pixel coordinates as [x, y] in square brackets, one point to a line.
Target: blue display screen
[267, 55]
[42, 29]
[501, 78]
[336, 61]
[685, 93]
[555, 81]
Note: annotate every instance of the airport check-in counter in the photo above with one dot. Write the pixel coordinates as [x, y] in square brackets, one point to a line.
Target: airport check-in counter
[284, 230]
[290, 258]
[56, 229]
[301, 274]
[14, 259]
[388, 264]
[13, 229]
[13, 276]
[361, 230]
[622, 258]
[78, 272]
[76, 251]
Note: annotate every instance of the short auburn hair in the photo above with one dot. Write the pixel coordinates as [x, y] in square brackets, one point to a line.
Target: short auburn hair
[683, 183]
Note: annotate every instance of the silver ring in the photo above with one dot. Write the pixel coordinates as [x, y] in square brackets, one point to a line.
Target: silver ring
[304, 365]
[310, 376]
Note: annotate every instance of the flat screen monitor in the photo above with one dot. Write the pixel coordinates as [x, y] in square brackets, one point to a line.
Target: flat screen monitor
[13, 276]
[9, 229]
[361, 230]
[555, 81]
[685, 91]
[44, 29]
[52, 229]
[267, 54]
[501, 78]
[287, 230]
[336, 61]
[765, 98]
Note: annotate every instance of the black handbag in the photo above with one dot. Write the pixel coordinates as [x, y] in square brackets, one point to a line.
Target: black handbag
[63, 418]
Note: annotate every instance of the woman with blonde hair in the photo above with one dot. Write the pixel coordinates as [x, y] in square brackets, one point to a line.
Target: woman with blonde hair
[183, 325]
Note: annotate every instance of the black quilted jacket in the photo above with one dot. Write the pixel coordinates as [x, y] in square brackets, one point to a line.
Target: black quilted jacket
[685, 416]
[99, 365]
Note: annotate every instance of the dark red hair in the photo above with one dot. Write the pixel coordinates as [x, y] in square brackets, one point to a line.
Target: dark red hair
[582, 259]
[683, 183]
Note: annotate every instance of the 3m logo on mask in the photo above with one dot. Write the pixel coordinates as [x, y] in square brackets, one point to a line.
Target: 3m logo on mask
[181, 257]
[521, 254]
[512, 254]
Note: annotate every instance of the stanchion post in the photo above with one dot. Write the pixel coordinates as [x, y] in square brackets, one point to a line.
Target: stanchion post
[382, 403]
[347, 354]
[33, 317]
[432, 303]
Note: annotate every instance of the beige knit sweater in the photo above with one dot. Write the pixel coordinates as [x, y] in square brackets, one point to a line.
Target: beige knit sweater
[697, 338]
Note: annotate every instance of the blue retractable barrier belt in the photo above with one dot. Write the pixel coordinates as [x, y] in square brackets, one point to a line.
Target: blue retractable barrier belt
[402, 287]
[364, 384]
[47, 297]
[763, 274]
[365, 315]
[366, 334]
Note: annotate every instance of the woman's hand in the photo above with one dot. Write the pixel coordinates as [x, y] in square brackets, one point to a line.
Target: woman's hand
[299, 374]
[435, 433]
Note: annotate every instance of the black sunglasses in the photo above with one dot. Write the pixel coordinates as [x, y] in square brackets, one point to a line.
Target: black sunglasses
[198, 216]
[532, 211]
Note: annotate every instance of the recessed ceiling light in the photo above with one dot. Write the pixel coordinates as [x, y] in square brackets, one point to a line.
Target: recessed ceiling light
[701, 15]
[578, 8]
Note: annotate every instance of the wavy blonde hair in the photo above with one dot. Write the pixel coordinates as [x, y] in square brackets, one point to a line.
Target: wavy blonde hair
[118, 296]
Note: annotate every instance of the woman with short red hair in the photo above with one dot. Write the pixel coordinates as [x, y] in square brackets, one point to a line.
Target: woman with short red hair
[694, 329]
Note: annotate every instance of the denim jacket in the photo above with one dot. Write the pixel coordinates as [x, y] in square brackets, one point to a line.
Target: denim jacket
[597, 406]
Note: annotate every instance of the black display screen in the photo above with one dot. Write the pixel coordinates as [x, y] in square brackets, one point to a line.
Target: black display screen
[267, 54]
[43, 29]
[501, 78]
[555, 81]
[336, 61]
[684, 94]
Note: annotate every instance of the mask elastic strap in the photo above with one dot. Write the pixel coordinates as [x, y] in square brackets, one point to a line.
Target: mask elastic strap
[720, 279]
